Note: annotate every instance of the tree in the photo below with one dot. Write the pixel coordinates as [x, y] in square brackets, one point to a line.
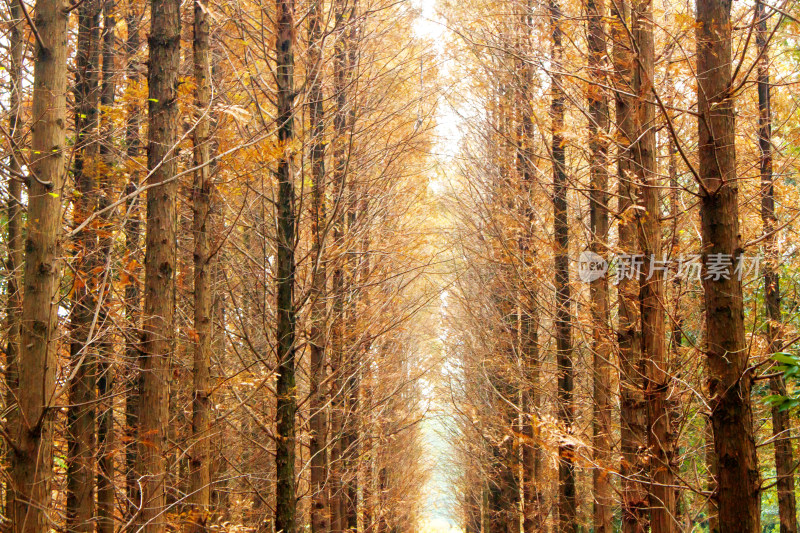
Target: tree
[781, 423]
[651, 286]
[633, 435]
[566, 468]
[83, 356]
[320, 518]
[132, 229]
[338, 352]
[601, 347]
[285, 510]
[160, 250]
[729, 381]
[532, 456]
[32, 455]
[106, 442]
[200, 464]
[14, 262]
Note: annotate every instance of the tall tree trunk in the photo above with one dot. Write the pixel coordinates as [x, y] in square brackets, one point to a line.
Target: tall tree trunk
[105, 378]
[160, 250]
[683, 517]
[363, 389]
[532, 495]
[781, 422]
[221, 491]
[32, 457]
[601, 347]
[285, 509]
[337, 357]
[729, 382]
[651, 288]
[14, 225]
[633, 426]
[320, 518]
[533, 504]
[82, 387]
[106, 487]
[567, 510]
[353, 372]
[132, 230]
[200, 460]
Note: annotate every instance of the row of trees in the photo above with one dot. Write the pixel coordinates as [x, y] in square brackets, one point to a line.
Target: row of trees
[646, 398]
[215, 280]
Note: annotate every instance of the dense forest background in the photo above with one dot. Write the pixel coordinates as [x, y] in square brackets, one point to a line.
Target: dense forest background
[395, 266]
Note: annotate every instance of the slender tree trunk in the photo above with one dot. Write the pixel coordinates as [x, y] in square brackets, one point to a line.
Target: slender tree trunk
[220, 495]
[533, 508]
[567, 509]
[105, 380]
[83, 360]
[14, 225]
[353, 372]
[633, 426]
[337, 358]
[601, 347]
[532, 495]
[363, 391]
[285, 510]
[200, 459]
[729, 382]
[32, 457]
[504, 488]
[132, 230]
[160, 251]
[781, 422]
[106, 488]
[683, 516]
[712, 469]
[651, 288]
[320, 518]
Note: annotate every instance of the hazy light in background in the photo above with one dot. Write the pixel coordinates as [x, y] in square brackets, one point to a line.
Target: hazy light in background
[438, 525]
[439, 513]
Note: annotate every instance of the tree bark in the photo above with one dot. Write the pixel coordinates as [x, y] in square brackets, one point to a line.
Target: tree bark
[781, 422]
[200, 459]
[729, 382]
[160, 250]
[601, 347]
[285, 509]
[132, 230]
[533, 503]
[354, 348]
[14, 262]
[338, 358]
[531, 453]
[633, 426]
[106, 489]
[567, 509]
[32, 457]
[83, 358]
[682, 513]
[320, 518]
[651, 288]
